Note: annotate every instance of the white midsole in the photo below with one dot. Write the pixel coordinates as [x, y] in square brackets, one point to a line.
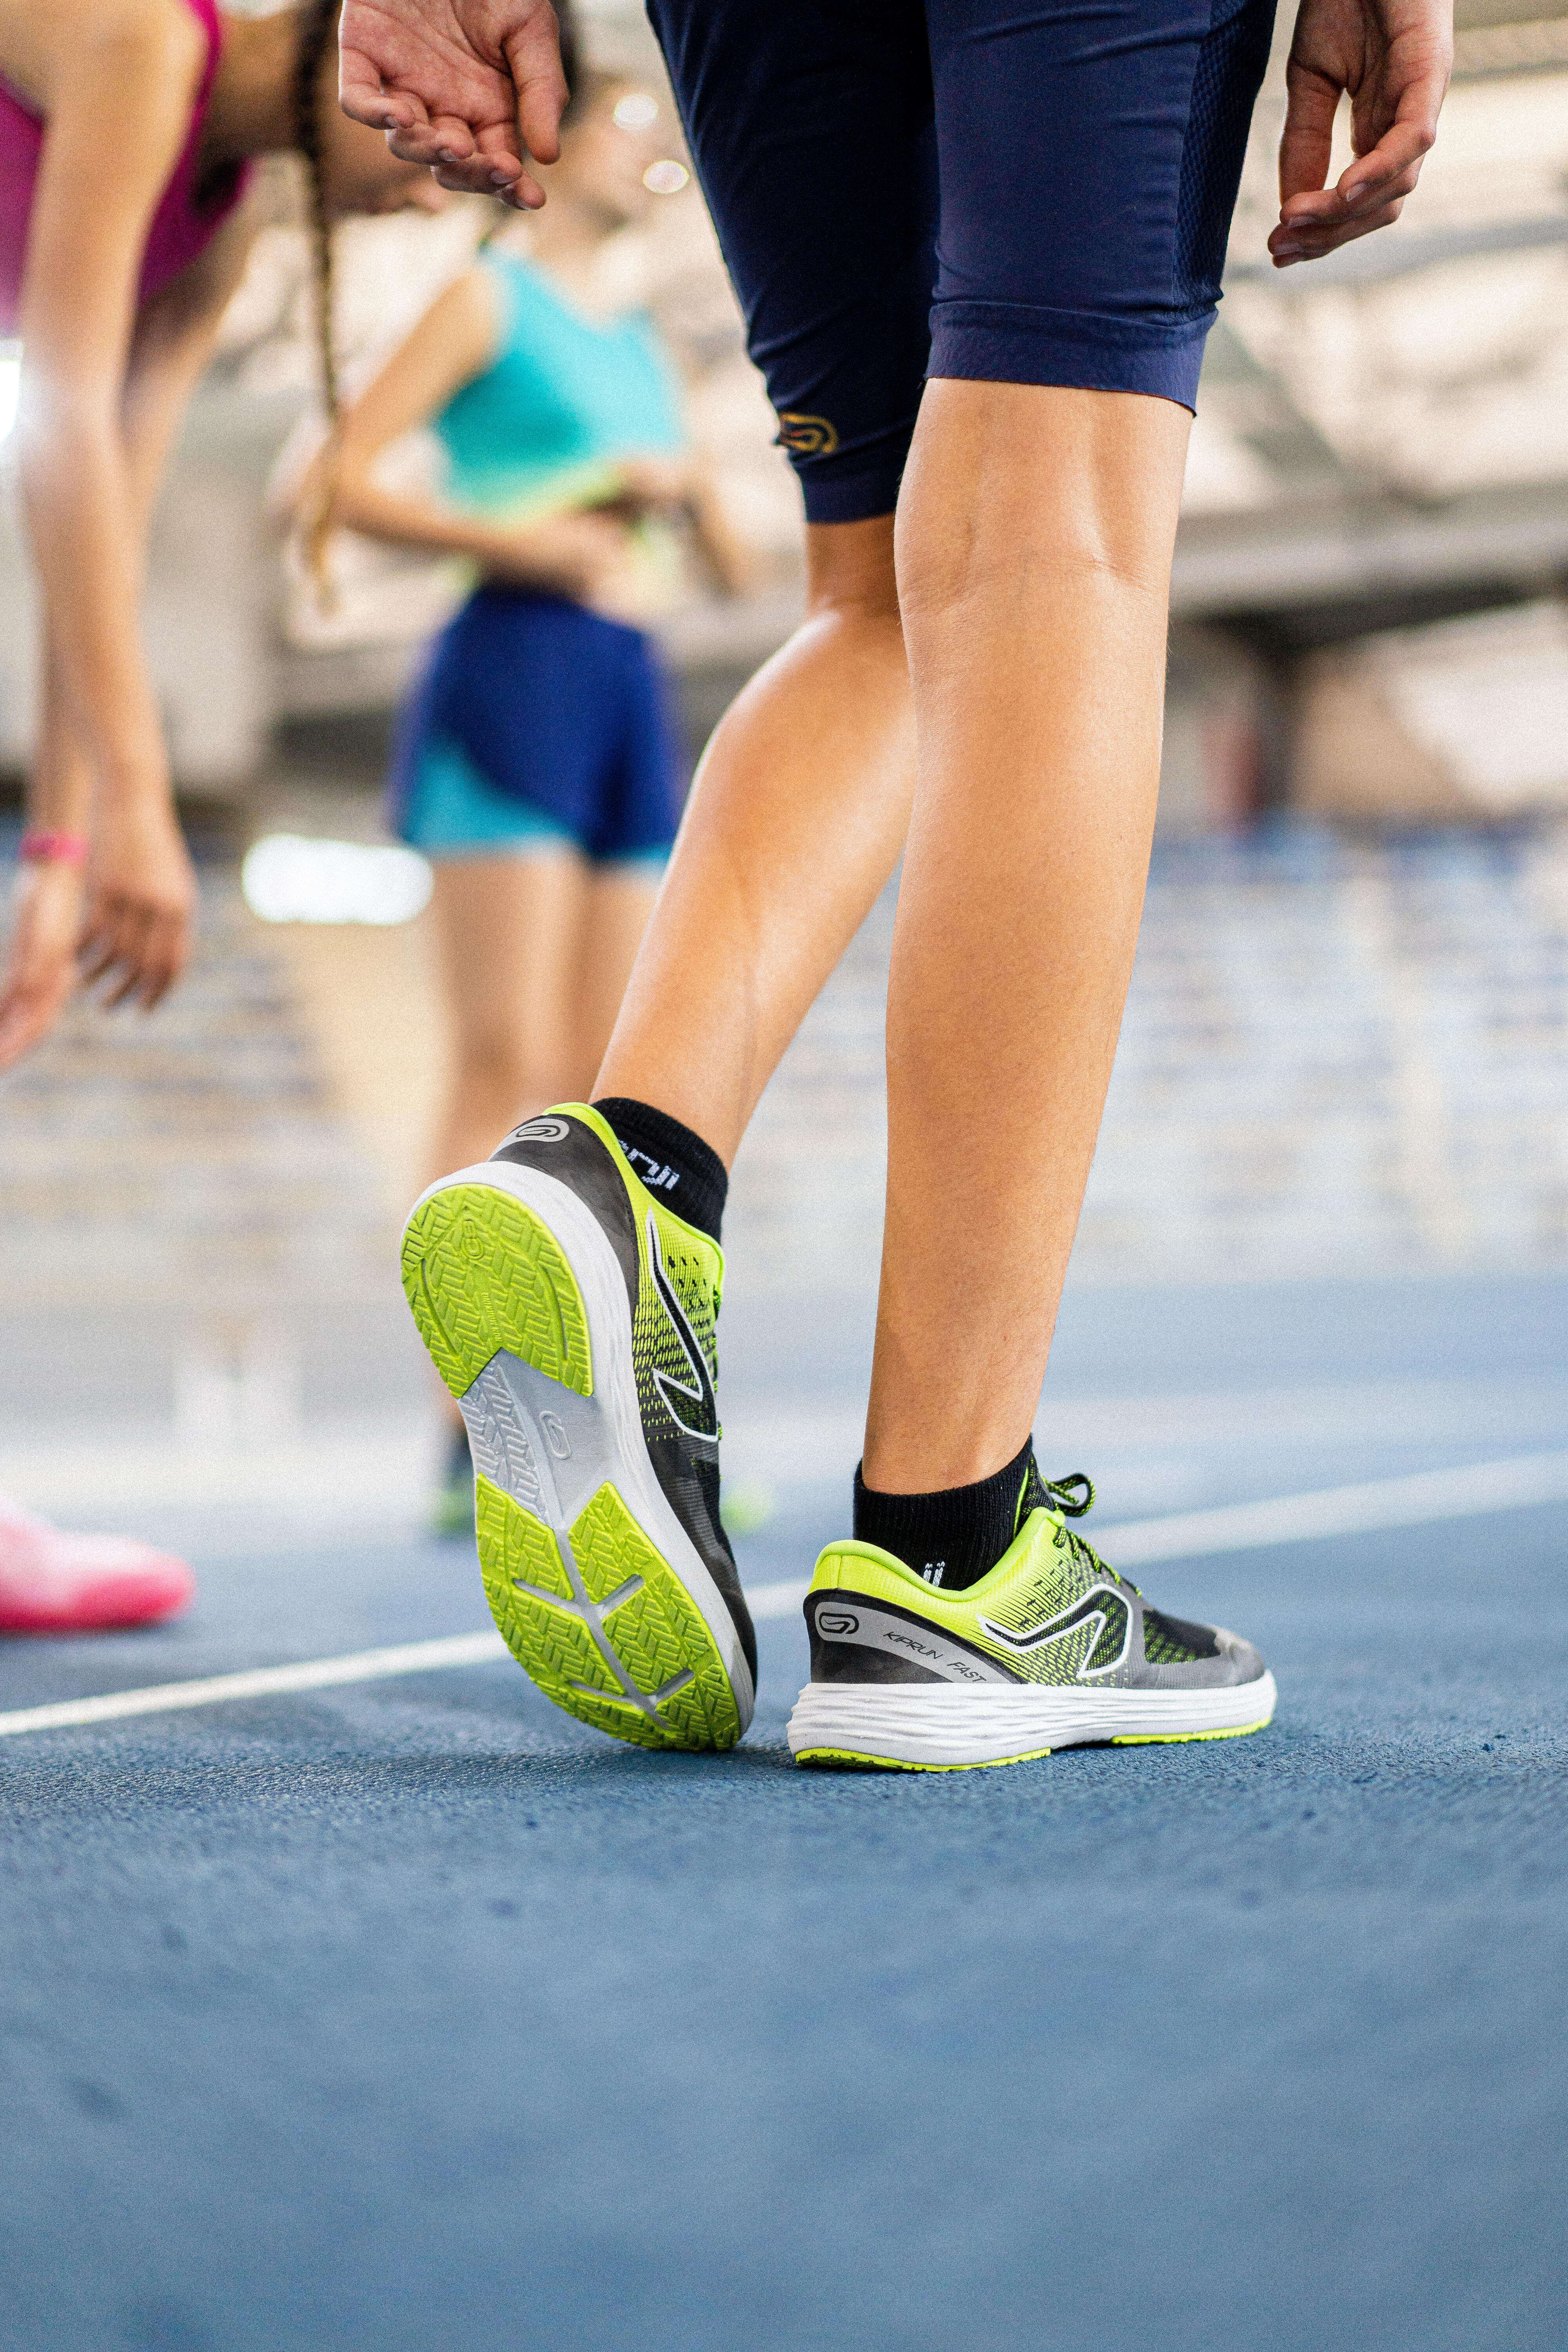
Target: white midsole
[927, 1723]
[604, 1431]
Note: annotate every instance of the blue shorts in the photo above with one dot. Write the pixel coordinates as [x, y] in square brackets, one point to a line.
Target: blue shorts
[1013, 190]
[538, 726]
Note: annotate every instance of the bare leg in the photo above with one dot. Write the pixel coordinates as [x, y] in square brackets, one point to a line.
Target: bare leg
[617, 905]
[507, 929]
[1036, 530]
[795, 823]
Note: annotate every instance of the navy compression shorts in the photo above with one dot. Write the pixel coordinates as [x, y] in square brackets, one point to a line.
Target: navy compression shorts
[1012, 191]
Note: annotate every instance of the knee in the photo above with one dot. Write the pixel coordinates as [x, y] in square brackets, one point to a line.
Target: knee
[1015, 490]
[495, 1066]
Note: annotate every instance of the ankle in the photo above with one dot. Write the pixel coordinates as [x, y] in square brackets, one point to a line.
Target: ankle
[671, 1159]
[953, 1536]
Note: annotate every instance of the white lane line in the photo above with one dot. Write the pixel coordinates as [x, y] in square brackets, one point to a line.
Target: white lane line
[1468, 1492]
[776, 1599]
[259, 1682]
[316, 1673]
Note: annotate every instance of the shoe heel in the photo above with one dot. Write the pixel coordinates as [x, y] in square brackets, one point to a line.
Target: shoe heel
[481, 1271]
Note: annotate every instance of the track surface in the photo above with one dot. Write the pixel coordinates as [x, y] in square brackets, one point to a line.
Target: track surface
[415, 2014]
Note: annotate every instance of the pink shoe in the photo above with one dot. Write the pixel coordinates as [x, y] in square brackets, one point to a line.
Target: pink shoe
[51, 1582]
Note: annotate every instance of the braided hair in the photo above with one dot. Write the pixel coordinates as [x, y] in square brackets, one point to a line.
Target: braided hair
[318, 36]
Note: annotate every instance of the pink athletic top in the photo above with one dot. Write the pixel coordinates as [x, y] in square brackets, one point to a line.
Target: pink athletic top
[186, 218]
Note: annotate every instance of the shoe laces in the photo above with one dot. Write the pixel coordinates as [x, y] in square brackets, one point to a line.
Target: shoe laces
[1071, 1496]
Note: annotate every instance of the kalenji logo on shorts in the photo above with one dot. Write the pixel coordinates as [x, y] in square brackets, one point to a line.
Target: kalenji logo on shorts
[807, 436]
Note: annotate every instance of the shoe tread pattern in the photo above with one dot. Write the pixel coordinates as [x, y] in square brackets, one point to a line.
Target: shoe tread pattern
[482, 1271]
[657, 1635]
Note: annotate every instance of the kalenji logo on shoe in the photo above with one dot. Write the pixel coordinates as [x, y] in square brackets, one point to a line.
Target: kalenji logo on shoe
[699, 1394]
[541, 1131]
[837, 1621]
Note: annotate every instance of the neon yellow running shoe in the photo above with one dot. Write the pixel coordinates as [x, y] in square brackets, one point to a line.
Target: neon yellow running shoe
[1049, 1649]
[572, 1316]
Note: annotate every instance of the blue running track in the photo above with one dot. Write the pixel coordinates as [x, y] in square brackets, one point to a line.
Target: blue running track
[411, 2016]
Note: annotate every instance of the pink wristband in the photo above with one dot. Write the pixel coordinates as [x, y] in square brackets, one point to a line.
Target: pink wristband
[43, 848]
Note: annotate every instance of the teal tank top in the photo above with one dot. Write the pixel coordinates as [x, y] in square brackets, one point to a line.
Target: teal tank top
[563, 399]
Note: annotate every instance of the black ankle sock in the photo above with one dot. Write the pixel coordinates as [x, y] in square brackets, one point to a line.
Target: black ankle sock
[685, 1171]
[952, 1537]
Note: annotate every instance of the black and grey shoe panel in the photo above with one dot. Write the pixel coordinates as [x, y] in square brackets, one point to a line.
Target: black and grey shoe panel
[1051, 1649]
[563, 1307]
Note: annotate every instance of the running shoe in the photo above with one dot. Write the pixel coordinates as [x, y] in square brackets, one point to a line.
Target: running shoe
[1051, 1649]
[573, 1318]
[55, 1582]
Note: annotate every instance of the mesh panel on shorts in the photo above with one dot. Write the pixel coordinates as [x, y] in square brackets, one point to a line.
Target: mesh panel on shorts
[1229, 71]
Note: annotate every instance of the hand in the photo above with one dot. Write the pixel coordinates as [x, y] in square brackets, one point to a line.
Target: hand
[469, 86]
[583, 556]
[655, 481]
[40, 974]
[141, 895]
[1393, 58]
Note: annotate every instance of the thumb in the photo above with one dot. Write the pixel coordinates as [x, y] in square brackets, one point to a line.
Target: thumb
[533, 55]
[1306, 144]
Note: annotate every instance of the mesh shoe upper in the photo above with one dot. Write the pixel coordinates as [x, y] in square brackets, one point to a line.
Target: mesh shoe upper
[1050, 1611]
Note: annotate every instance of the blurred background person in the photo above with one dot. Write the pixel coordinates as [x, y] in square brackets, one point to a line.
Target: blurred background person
[537, 765]
[159, 105]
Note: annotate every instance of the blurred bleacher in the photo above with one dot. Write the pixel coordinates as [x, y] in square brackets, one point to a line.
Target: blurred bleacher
[1348, 1034]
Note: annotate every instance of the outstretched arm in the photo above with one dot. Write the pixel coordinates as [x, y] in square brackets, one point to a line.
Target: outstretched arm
[473, 87]
[127, 919]
[118, 86]
[1393, 58]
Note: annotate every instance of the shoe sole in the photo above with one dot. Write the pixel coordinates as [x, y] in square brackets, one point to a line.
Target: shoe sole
[595, 1585]
[926, 1729]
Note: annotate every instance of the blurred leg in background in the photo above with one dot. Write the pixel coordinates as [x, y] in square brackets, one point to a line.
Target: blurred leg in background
[534, 950]
[507, 931]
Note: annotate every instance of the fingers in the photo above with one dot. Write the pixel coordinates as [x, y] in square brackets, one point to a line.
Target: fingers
[533, 54]
[361, 95]
[1391, 168]
[1369, 194]
[1307, 141]
[498, 150]
[165, 957]
[433, 139]
[25, 1021]
[488, 168]
[140, 952]
[33, 994]
[1311, 243]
